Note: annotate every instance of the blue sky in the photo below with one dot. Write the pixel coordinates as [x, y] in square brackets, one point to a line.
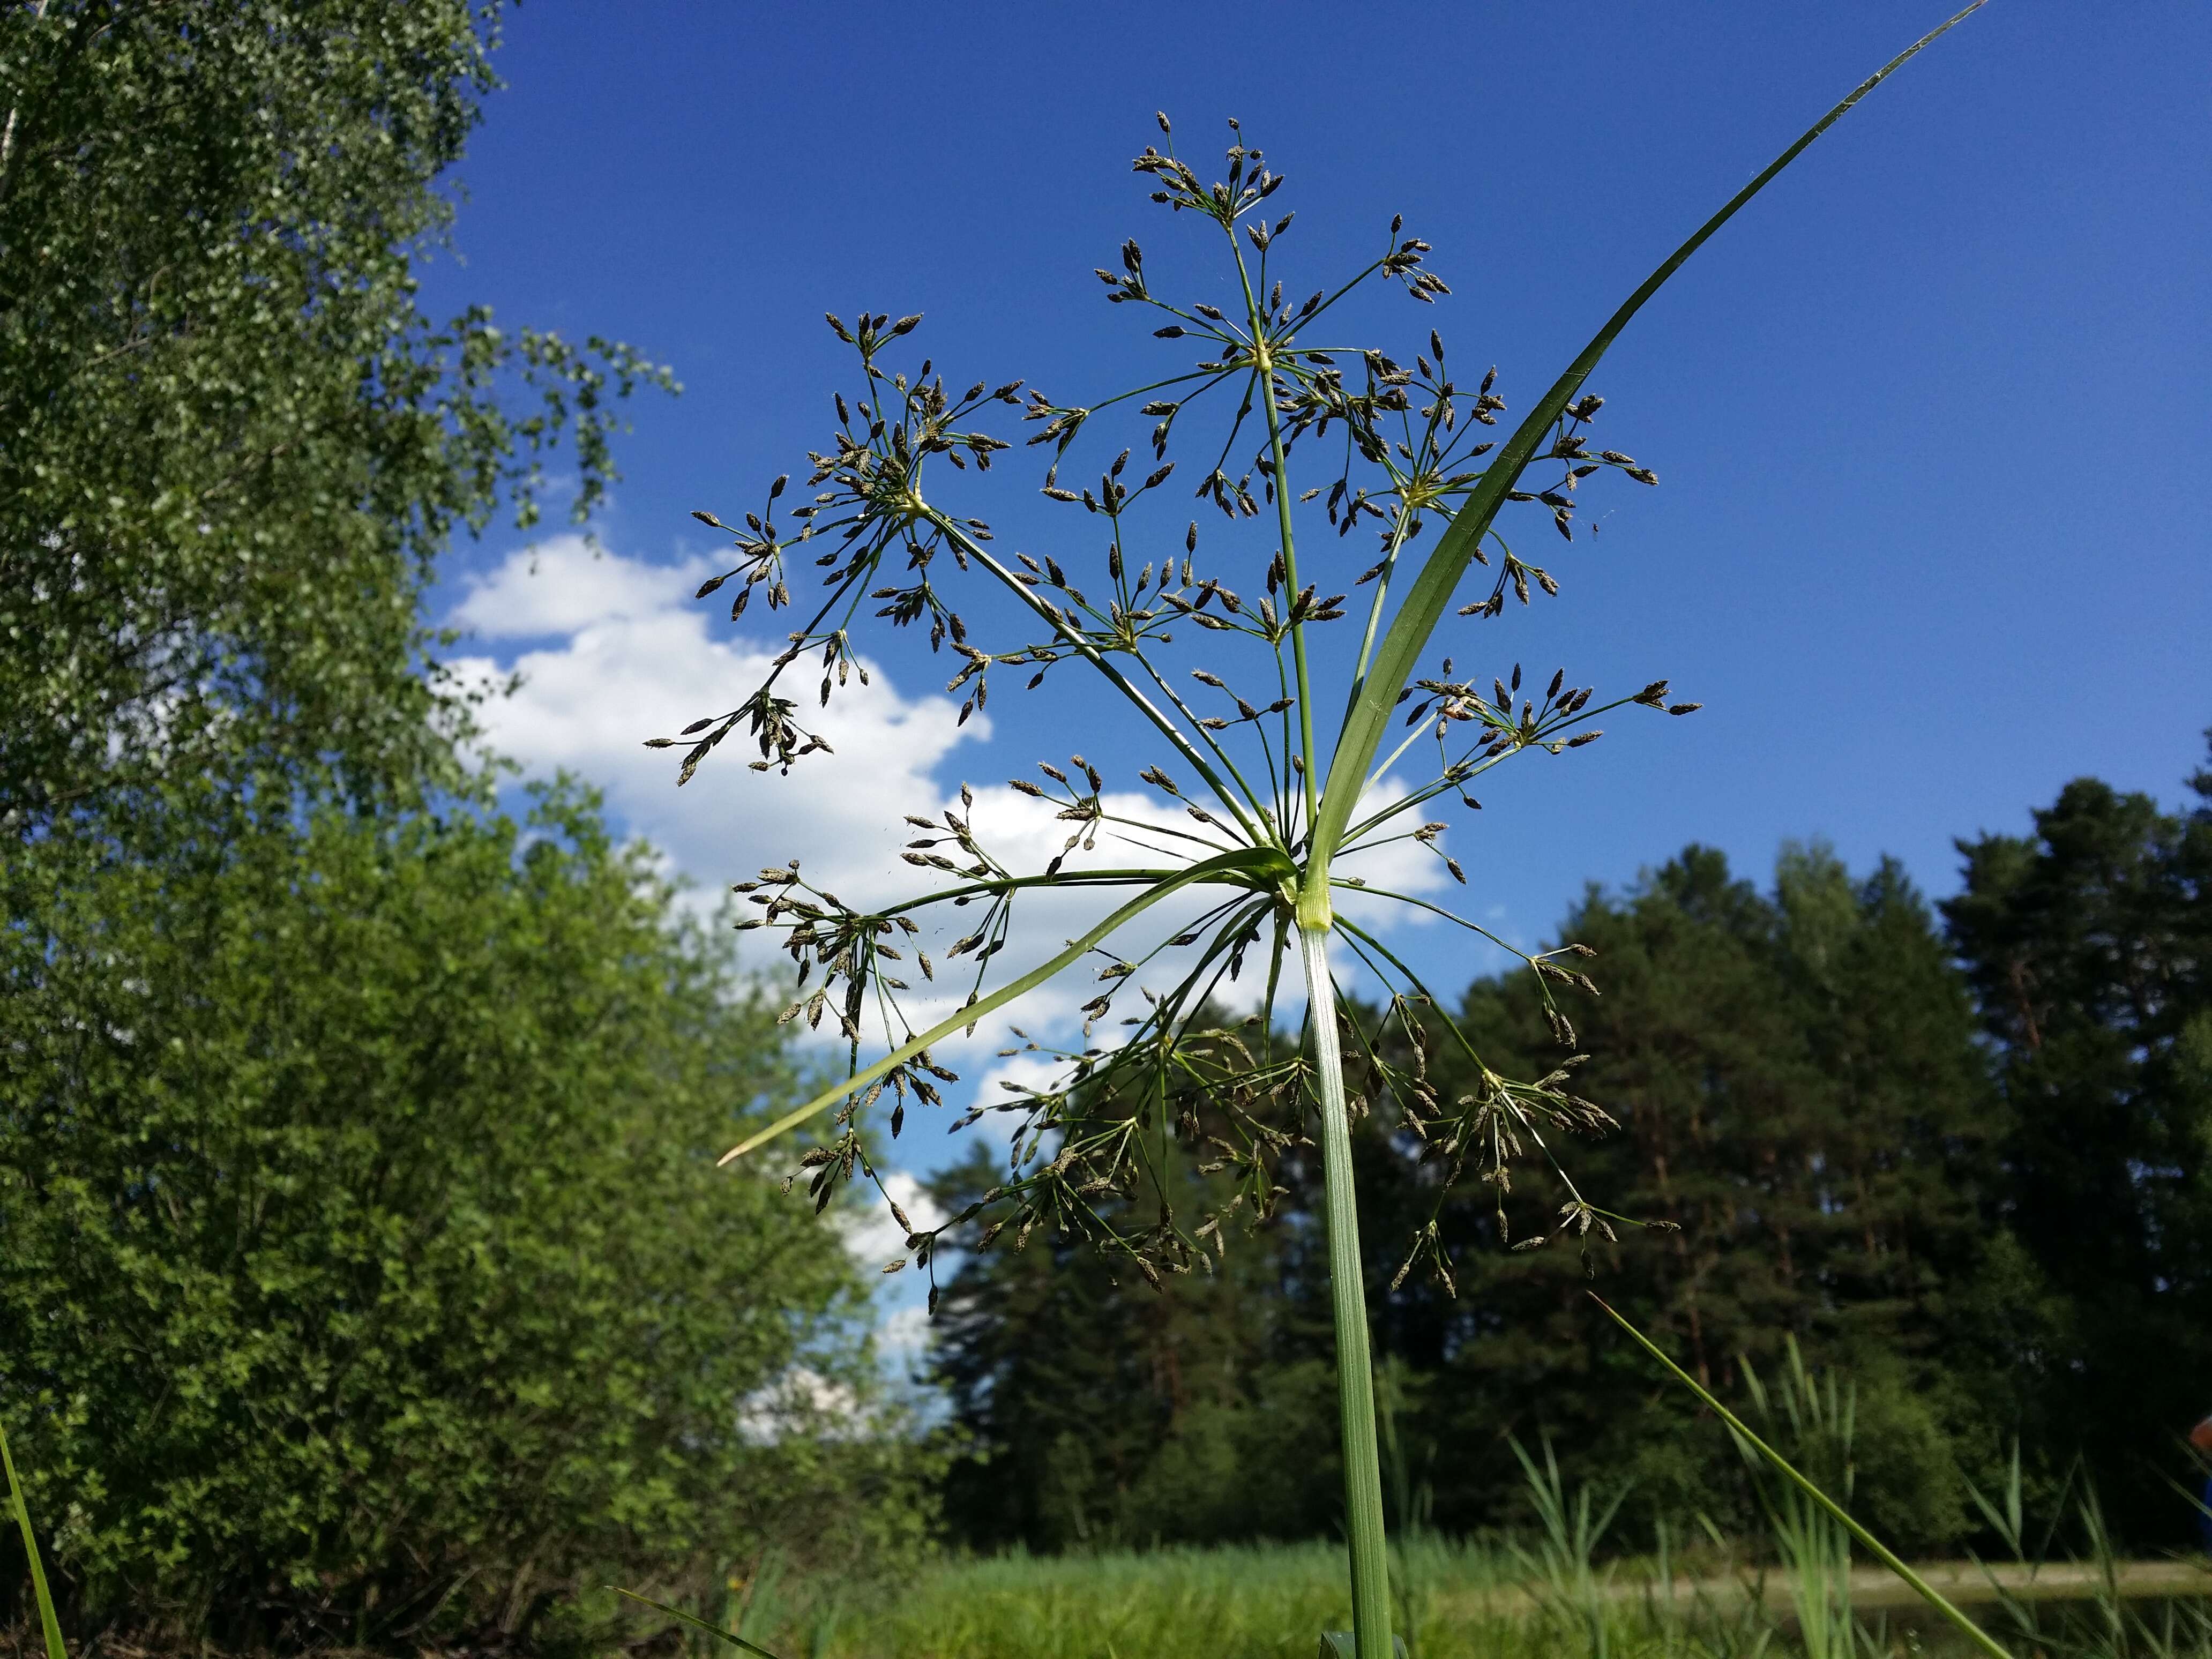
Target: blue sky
[1931, 416]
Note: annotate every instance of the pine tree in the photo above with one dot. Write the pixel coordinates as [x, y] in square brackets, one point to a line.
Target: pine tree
[1802, 1104]
[2088, 946]
[1100, 1410]
[1802, 1112]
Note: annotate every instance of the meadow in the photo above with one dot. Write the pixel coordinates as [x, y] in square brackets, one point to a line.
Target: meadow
[1455, 1599]
[1567, 1586]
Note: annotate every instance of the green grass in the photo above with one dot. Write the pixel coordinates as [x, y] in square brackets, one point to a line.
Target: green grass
[1465, 1601]
[1565, 1590]
[1162, 1604]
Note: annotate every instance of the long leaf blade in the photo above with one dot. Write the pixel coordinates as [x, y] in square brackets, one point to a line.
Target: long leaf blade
[1430, 596]
[1248, 861]
[1920, 1586]
[693, 1620]
[47, 1620]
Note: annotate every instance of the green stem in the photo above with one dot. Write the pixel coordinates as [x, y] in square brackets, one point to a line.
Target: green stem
[1375, 608]
[1264, 363]
[1310, 762]
[1348, 1282]
[1091, 654]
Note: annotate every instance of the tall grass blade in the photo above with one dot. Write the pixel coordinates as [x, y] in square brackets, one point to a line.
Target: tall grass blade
[1882, 1552]
[51, 1624]
[1817, 1551]
[697, 1623]
[2006, 1515]
[1563, 1571]
[1399, 655]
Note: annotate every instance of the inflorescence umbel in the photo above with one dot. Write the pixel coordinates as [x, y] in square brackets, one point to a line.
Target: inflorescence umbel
[1270, 813]
[1393, 445]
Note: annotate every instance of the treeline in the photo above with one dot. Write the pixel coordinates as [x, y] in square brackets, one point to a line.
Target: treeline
[1963, 1153]
[364, 1275]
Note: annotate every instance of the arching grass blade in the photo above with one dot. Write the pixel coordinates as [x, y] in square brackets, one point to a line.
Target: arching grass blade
[1927, 1592]
[46, 1620]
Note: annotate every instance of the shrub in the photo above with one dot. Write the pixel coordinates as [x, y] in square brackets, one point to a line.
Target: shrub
[362, 1262]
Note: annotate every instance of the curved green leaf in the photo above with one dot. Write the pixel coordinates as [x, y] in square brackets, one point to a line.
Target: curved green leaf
[1248, 862]
[51, 1624]
[1927, 1592]
[1400, 652]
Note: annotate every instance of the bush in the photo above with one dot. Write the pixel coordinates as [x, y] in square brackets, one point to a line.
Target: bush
[363, 1265]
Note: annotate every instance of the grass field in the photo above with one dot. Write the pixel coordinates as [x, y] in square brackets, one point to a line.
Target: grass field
[1458, 1602]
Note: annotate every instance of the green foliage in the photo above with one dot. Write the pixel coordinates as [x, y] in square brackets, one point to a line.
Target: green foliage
[2088, 946]
[232, 443]
[1812, 1529]
[1801, 1102]
[363, 1268]
[1560, 1565]
[1266, 1601]
[1101, 1414]
[1802, 1081]
[1234, 1602]
[330, 1308]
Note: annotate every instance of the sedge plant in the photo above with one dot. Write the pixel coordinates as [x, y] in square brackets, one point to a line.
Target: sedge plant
[1289, 689]
[1821, 1413]
[1561, 1567]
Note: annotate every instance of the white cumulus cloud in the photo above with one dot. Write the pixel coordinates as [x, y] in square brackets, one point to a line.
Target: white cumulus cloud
[873, 1235]
[611, 649]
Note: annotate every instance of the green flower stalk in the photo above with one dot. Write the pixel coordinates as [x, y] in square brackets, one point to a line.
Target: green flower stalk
[1271, 777]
